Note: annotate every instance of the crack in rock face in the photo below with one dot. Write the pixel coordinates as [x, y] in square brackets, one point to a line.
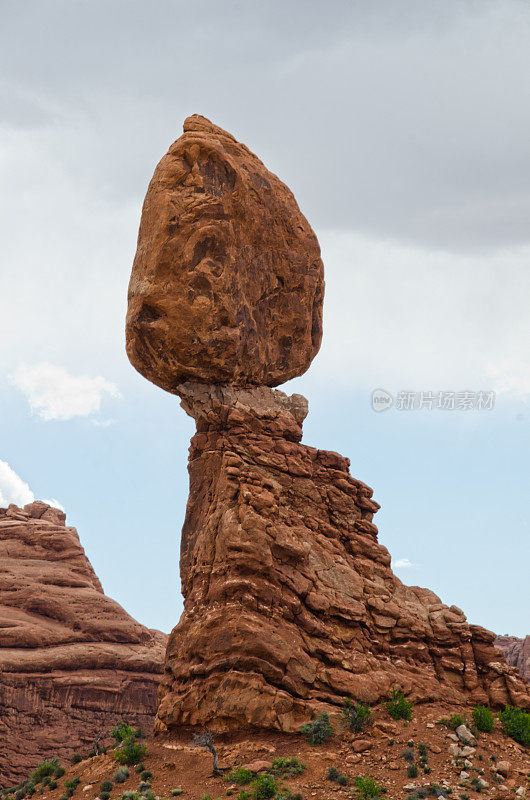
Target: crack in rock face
[227, 284]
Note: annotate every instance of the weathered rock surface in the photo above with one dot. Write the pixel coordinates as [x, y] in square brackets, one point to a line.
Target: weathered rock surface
[72, 661]
[227, 283]
[516, 652]
[290, 602]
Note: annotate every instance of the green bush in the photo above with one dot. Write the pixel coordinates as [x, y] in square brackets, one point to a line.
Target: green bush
[412, 771]
[121, 775]
[176, 792]
[130, 751]
[516, 723]
[124, 731]
[287, 765]
[43, 770]
[422, 750]
[337, 777]
[398, 707]
[146, 775]
[240, 775]
[52, 785]
[367, 788]
[106, 786]
[244, 795]
[59, 772]
[356, 715]
[104, 795]
[264, 787]
[456, 720]
[76, 758]
[408, 755]
[318, 731]
[483, 719]
[143, 787]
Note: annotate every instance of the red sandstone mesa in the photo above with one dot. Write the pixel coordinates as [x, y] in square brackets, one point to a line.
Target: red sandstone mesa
[290, 602]
[227, 283]
[72, 661]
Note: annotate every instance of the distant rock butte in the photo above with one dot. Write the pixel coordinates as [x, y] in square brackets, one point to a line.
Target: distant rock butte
[517, 653]
[227, 283]
[290, 602]
[72, 661]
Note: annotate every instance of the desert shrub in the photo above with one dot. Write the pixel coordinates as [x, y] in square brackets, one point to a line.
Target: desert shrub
[144, 786]
[106, 786]
[71, 786]
[412, 771]
[422, 793]
[76, 758]
[356, 715]
[408, 755]
[176, 792]
[130, 795]
[44, 770]
[337, 777]
[483, 719]
[435, 790]
[456, 720]
[130, 752]
[516, 723]
[121, 775]
[287, 765]
[52, 785]
[319, 730]
[139, 768]
[367, 788]
[124, 731]
[398, 707]
[58, 772]
[264, 787]
[104, 795]
[146, 775]
[244, 795]
[422, 750]
[427, 770]
[240, 775]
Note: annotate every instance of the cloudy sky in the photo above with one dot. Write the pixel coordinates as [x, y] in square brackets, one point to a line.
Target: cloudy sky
[403, 130]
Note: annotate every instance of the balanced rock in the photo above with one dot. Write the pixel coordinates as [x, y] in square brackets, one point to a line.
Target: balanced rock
[517, 653]
[72, 661]
[290, 601]
[227, 283]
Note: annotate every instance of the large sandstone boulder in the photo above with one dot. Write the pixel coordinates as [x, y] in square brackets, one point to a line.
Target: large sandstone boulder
[227, 283]
[72, 661]
[290, 601]
[516, 652]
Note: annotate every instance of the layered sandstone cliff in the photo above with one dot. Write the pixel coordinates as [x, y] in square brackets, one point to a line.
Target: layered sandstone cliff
[72, 661]
[290, 602]
[516, 652]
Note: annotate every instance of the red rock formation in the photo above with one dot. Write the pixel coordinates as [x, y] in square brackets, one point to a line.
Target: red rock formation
[72, 661]
[290, 602]
[517, 653]
[227, 283]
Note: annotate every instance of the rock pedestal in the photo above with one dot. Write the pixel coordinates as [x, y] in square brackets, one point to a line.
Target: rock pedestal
[290, 602]
[72, 661]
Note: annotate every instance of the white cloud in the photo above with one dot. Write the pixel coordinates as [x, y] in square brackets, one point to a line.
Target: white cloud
[401, 317]
[403, 563]
[54, 394]
[12, 488]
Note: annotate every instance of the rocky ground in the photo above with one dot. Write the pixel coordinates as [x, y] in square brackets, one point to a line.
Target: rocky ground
[493, 767]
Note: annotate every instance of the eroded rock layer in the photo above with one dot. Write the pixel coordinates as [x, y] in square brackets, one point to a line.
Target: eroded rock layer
[72, 661]
[516, 652]
[290, 602]
[227, 282]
